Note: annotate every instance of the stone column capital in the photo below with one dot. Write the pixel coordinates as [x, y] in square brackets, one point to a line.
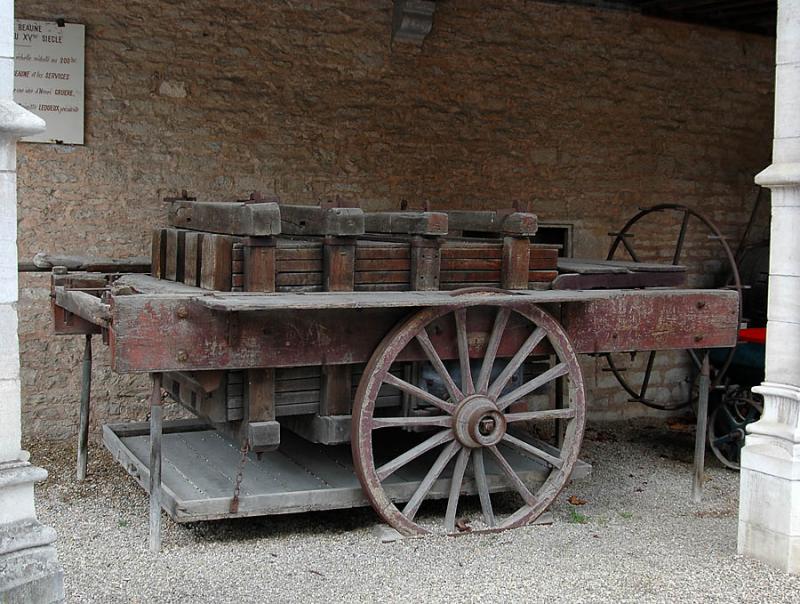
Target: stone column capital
[781, 174]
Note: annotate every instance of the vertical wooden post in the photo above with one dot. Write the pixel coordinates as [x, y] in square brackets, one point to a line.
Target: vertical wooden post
[174, 262]
[155, 463]
[338, 264]
[259, 276]
[338, 275]
[86, 392]
[158, 253]
[516, 262]
[425, 263]
[700, 434]
[193, 258]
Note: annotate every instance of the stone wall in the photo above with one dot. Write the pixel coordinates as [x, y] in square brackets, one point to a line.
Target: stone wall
[588, 114]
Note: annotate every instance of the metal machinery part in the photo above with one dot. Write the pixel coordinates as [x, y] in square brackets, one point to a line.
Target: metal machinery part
[622, 242]
[475, 422]
[726, 425]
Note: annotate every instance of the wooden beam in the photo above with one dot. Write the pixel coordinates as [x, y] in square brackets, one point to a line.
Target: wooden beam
[84, 305]
[227, 218]
[146, 337]
[315, 220]
[406, 223]
[515, 223]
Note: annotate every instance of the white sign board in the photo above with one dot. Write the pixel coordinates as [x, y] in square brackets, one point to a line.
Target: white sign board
[48, 77]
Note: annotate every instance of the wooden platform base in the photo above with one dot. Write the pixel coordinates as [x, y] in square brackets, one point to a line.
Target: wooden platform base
[199, 472]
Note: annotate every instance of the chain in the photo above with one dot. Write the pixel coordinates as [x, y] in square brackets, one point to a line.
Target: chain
[237, 487]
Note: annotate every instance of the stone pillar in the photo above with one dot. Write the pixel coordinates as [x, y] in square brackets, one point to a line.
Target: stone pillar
[769, 500]
[29, 570]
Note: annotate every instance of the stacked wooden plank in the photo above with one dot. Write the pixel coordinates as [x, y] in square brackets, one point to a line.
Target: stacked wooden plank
[259, 246]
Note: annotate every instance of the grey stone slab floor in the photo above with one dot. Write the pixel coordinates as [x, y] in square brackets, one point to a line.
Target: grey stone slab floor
[638, 538]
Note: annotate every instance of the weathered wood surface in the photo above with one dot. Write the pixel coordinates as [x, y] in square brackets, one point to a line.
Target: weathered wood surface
[408, 223]
[137, 264]
[653, 320]
[67, 324]
[515, 223]
[588, 266]
[158, 252]
[216, 272]
[516, 263]
[578, 273]
[345, 328]
[200, 468]
[425, 264]
[174, 260]
[145, 284]
[84, 305]
[193, 257]
[315, 220]
[227, 218]
[622, 280]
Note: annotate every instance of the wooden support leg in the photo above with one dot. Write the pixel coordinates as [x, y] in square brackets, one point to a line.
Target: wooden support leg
[700, 434]
[155, 464]
[86, 390]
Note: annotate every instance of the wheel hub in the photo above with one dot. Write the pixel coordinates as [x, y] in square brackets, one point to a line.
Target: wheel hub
[478, 422]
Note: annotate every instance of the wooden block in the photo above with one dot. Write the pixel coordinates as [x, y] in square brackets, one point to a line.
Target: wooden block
[314, 220]
[336, 395]
[338, 264]
[193, 253]
[261, 395]
[216, 257]
[259, 269]
[516, 263]
[407, 223]
[158, 253]
[236, 218]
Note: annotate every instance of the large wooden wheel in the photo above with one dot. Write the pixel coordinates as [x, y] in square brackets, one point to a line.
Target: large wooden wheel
[473, 423]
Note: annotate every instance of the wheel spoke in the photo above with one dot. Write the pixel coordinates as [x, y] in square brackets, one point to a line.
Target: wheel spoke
[467, 385]
[531, 385]
[729, 415]
[421, 394]
[647, 373]
[535, 451]
[516, 481]
[491, 348]
[517, 360]
[479, 471]
[398, 462]
[695, 359]
[444, 421]
[681, 237]
[524, 416]
[455, 489]
[433, 356]
[727, 438]
[411, 508]
[629, 247]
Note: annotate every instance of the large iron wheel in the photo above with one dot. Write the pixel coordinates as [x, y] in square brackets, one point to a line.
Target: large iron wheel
[470, 425]
[622, 243]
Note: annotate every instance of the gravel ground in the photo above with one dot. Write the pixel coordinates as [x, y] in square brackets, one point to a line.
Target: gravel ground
[638, 538]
